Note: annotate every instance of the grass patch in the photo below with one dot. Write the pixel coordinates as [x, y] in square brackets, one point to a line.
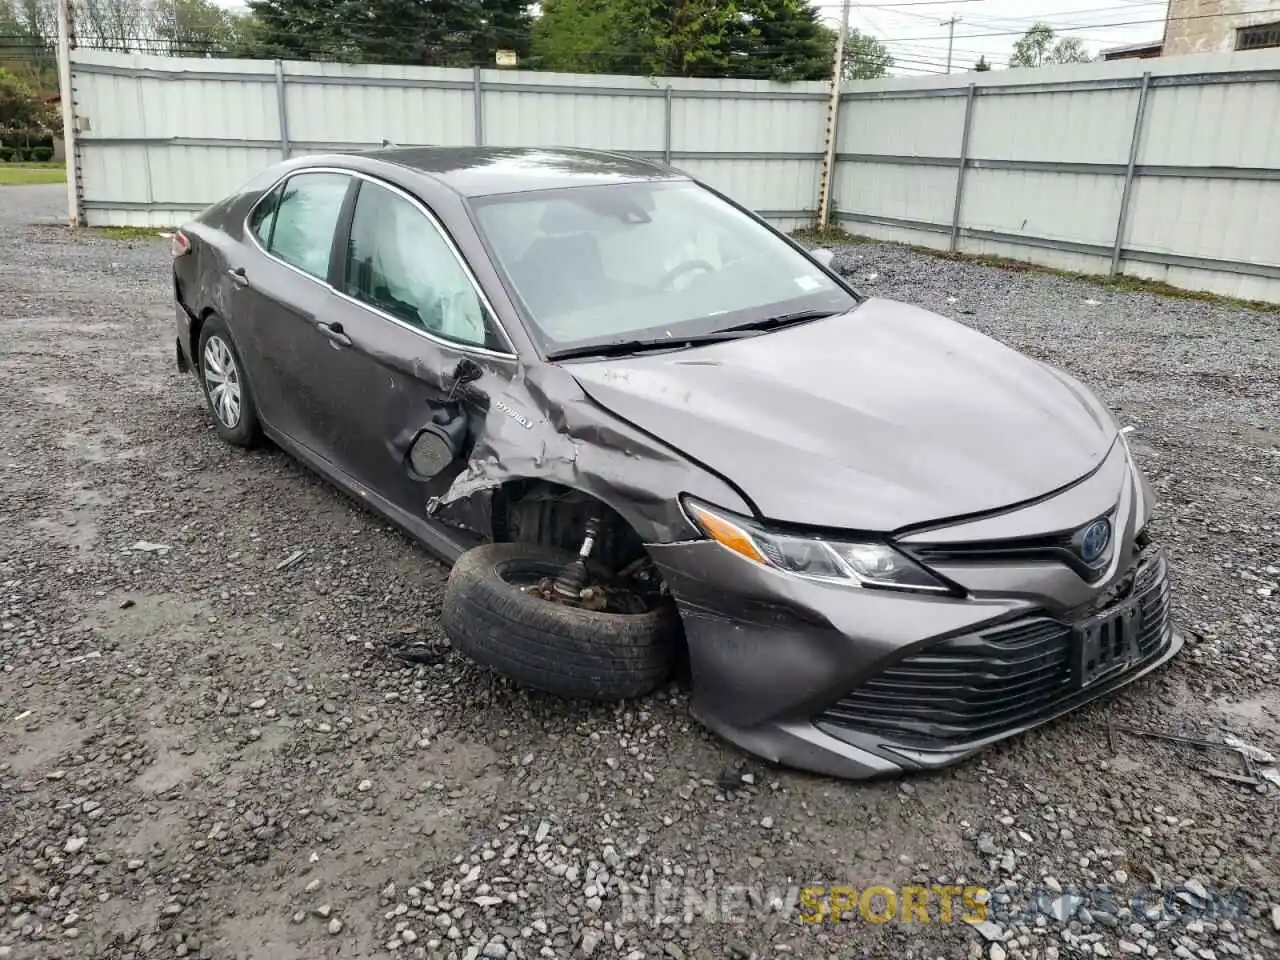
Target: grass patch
[30, 174]
[829, 236]
[1119, 283]
[126, 233]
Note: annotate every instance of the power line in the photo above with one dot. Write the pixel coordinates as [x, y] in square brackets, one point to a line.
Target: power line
[1044, 18]
[881, 33]
[916, 54]
[894, 6]
[1091, 26]
[1053, 13]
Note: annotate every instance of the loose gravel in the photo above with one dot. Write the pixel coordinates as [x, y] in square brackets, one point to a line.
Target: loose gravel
[207, 752]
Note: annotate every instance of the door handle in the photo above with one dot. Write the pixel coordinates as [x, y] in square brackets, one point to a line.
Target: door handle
[238, 276]
[334, 332]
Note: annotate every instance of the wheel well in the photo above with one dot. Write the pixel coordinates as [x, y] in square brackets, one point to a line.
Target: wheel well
[196, 325]
[537, 511]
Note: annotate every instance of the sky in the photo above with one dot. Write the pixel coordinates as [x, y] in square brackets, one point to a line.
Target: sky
[913, 32]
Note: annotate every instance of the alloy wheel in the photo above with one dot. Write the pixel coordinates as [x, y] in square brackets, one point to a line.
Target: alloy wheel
[222, 381]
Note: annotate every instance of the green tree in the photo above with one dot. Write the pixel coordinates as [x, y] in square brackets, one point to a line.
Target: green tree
[779, 40]
[698, 37]
[785, 41]
[24, 116]
[593, 36]
[433, 32]
[1037, 48]
[27, 33]
[246, 37]
[865, 57]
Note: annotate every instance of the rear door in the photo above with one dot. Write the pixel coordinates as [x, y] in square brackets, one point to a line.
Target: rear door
[284, 304]
[420, 348]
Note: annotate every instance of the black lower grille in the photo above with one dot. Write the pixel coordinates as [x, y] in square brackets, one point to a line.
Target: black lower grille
[981, 684]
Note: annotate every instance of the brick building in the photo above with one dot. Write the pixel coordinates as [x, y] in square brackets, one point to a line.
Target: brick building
[1210, 26]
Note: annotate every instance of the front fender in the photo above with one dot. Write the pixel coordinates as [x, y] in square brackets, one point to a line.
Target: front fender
[547, 429]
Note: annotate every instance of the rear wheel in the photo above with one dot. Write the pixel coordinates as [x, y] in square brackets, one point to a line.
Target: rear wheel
[226, 390]
[500, 609]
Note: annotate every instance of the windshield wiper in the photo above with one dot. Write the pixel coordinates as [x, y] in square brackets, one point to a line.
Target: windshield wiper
[785, 320]
[622, 348]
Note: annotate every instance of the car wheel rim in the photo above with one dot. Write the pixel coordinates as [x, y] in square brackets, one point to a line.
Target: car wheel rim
[535, 580]
[222, 381]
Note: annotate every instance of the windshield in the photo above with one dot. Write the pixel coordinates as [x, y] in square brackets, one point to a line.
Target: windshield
[640, 261]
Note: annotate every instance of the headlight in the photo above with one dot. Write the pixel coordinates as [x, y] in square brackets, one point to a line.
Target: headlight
[862, 563]
[1144, 498]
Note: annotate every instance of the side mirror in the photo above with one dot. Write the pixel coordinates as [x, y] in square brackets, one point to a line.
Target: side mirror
[823, 256]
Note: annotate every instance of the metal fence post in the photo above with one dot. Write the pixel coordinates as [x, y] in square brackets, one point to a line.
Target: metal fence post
[666, 129]
[964, 162]
[1135, 142]
[827, 172]
[68, 105]
[146, 150]
[282, 103]
[477, 96]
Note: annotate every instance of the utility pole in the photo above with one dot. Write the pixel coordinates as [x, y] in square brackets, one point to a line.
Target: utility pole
[833, 115]
[951, 36]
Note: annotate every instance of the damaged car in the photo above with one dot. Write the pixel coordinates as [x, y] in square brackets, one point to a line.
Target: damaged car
[647, 429]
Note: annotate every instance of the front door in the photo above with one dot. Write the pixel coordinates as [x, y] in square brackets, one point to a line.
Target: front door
[416, 345]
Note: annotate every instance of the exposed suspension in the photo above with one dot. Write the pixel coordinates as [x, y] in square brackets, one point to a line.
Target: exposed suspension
[573, 579]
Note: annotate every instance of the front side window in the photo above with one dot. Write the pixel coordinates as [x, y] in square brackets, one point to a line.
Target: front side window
[305, 219]
[398, 263]
[600, 264]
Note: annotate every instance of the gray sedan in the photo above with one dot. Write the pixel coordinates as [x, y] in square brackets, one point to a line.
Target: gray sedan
[650, 432]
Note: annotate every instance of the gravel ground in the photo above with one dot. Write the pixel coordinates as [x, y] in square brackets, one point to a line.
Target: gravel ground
[205, 755]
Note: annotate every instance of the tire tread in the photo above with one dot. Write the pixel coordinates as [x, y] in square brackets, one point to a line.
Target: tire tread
[550, 647]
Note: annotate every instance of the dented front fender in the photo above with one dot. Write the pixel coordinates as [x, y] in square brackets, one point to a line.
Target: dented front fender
[540, 425]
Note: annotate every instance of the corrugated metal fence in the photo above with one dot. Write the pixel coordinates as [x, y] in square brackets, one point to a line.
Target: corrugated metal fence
[1167, 169]
[162, 137]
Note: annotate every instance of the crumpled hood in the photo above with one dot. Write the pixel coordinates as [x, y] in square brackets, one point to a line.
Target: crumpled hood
[881, 418]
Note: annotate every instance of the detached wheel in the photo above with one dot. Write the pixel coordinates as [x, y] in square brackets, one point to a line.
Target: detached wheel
[495, 613]
[226, 389]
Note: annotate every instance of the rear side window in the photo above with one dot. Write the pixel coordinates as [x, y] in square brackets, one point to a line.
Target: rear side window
[304, 220]
[263, 217]
[399, 263]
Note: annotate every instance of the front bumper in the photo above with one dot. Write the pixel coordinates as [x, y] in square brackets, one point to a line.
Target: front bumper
[857, 682]
[843, 685]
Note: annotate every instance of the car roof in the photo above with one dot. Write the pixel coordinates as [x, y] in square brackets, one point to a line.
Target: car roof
[484, 171]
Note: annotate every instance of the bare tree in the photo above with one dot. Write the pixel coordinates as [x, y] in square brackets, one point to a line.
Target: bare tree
[192, 27]
[1037, 48]
[40, 17]
[30, 20]
[113, 24]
